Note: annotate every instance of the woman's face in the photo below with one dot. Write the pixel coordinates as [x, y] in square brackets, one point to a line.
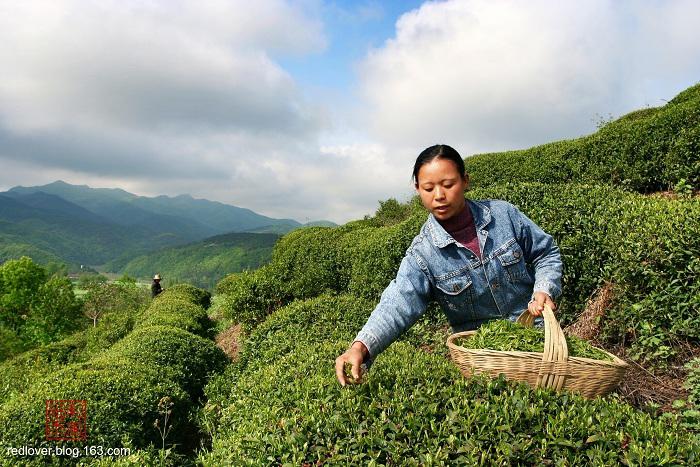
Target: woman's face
[441, 188]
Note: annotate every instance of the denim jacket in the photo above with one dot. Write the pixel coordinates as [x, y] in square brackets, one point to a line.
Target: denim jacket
[518, 259]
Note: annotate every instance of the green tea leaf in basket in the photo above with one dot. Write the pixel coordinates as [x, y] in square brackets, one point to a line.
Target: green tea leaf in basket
[504, 335]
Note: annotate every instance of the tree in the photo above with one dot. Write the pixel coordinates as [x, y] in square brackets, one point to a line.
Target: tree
[55, 312]
[100, 298]
[392, 212]
[20, 280]
[126, 279]
[54, 268]
[103, 298]
[10, 343]
[86, 281]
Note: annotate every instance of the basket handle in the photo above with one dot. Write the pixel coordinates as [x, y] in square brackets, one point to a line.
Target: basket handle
[556, 352]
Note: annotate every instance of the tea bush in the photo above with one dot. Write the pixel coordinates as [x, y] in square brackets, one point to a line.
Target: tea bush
[122, 400]
[648, 247]
[693, 381]
[220, 306]
[122, 384]
[374, 256]
[647, 150]
[10, 343]
[302, 325]
[191, 358]
[392, 212]
[109, 329]
[225, 285]
[347, 244]
[141, 457]
[688, 411]
[284, 405]
[305, 323]
[305, 262]
[312, 261]
[656, 267]
[176, 312]
[187, 292]
[18, 373]
[252, 295]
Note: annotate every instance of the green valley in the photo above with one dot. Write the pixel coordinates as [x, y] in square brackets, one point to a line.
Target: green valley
[203, 263]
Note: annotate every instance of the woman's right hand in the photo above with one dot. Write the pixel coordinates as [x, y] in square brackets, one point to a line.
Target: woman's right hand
[355, 355]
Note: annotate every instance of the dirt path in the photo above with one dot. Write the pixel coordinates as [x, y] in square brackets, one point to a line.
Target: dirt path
[228, 341]
[639, 386]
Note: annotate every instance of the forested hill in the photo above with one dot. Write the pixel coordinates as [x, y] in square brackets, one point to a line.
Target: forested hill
[199, 218]
[47, 226]
[73, 224]
[203, 263]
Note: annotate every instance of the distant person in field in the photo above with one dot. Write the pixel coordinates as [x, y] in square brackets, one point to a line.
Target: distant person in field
[481, 260]
[155, 286]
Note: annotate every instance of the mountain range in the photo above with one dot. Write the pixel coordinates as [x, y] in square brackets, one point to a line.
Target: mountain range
[77, 224]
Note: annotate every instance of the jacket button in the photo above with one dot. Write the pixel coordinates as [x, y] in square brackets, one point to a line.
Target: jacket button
[455, 287]
[516, 254]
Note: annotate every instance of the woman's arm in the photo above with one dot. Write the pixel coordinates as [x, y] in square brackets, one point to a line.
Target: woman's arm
[402, 303]
[542, 252]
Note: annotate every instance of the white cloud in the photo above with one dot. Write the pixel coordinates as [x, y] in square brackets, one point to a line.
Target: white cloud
[189, 96]
[170, 64]
[160, 97]
[484, 75]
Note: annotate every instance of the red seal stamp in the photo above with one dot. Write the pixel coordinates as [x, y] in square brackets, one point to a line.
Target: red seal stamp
[66, 420]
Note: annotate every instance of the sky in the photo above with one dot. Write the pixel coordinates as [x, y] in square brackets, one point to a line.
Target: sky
[316, 109]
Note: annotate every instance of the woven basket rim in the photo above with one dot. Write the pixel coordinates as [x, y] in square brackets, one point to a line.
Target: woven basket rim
[616, 361]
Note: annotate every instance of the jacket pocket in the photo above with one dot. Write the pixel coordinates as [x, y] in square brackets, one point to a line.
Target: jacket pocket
[512, 259]
[454, 294]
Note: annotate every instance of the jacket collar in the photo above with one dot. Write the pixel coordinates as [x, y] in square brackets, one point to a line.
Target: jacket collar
[440, 237]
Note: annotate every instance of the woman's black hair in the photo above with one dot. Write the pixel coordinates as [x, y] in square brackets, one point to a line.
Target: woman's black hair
[442, 151]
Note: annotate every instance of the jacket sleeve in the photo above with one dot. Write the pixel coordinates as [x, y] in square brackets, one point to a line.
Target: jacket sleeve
[542, 252]
[402, 303]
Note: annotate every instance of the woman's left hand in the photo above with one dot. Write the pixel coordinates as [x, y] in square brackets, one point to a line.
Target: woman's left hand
[536, 306]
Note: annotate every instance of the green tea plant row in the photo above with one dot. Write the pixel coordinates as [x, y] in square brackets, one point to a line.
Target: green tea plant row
[647, 247]
[17, 374]
[646, 150]
[280, 404]
[165, 355]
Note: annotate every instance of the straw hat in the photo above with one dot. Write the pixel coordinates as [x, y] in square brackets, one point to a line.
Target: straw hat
[156, 277]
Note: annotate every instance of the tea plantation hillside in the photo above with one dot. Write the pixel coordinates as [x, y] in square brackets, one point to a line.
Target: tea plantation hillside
[280, 403]
[647, 150]
[142, 378]
[647, 248]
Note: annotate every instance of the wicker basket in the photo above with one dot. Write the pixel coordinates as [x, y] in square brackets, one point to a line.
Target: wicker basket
[552, 368]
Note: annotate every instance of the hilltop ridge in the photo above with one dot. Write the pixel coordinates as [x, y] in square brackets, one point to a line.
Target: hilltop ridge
[646, 150]
[77, 224]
